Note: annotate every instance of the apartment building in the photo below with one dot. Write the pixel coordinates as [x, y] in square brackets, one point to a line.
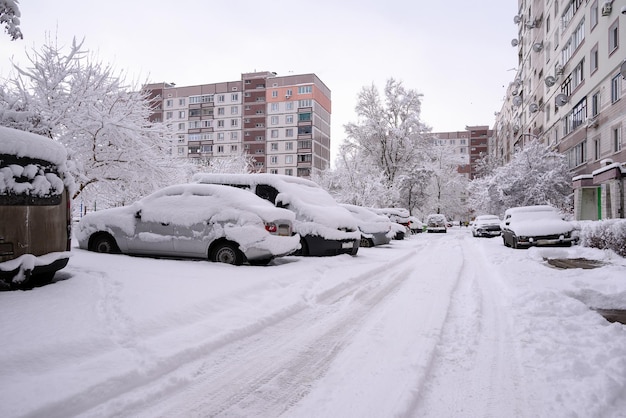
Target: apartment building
[282, 122]
[569, 93]
[468, 146]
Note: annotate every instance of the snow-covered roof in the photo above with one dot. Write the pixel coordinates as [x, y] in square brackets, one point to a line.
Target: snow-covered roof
[27, 144]
[369, 221]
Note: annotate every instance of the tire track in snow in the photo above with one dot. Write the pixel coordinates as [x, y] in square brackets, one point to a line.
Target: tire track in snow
[476, 355]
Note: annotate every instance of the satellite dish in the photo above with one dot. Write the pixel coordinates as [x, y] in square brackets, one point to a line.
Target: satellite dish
[537, 46]
[622, 69]
[550, 81]
[517, 100]
[515, 93]
[514, 42]
[561, 99]
[534, 107]
[517, 19]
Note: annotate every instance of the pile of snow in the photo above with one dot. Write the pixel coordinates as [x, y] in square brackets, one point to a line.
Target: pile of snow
[369, 221]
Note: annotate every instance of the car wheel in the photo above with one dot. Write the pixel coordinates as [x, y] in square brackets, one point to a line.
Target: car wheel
[366, 243]
[506, 244]
[228, 253]
[304, 248]
[515, 243]
[104, 243]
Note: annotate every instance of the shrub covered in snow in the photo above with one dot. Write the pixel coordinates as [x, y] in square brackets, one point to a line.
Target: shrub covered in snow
[607, 234]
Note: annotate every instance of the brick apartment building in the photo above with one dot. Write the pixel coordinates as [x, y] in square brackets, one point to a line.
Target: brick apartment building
[283, 122]
[470, 145]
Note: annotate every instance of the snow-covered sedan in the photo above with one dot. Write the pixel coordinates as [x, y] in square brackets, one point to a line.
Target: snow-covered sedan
[436, 222]
[203, 221]
[375, 229]
[486, 226]
[527, 226]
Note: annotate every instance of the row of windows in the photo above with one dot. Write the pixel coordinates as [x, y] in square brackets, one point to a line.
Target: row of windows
[209, 123]
[219, 149]
[301, 158]
[211, 98]
[578, 155]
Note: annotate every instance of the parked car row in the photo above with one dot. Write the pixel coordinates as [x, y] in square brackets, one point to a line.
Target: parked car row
[237, 218]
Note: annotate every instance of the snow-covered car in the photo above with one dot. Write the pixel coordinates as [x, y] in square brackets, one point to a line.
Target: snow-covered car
[400, 216]
[325, 228]
[415, 225]
[201, 221]
[436, 222]
[375, 229]
[486, 226]
[527, 226]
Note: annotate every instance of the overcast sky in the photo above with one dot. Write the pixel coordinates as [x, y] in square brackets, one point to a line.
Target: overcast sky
[456, 53]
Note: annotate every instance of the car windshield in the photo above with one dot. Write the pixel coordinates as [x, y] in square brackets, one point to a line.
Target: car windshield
[536, 215]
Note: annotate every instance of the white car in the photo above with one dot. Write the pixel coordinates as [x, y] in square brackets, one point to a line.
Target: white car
[436, 222]
[486, 226]
[375, 229]
[325, 228]
[528, 226]
[202, 221]
[400, 216]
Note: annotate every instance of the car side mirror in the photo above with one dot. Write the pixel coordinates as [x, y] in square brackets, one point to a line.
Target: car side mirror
[138, 214]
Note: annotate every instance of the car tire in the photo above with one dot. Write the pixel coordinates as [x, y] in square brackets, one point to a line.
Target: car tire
[515, 243]
[304, 248]
[506, 244]
[260, 262]
[228, 253]
[366, 243]
[104, 243]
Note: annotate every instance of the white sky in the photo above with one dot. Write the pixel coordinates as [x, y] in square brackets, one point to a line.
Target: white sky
[455, 53]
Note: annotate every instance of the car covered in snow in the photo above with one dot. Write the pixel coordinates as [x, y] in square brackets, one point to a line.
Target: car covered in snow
[325, 228]
[375, 229]
[527, 226]
[436, 222]
[415, 225]
[400, 216]
[486, 226]
[200, 221]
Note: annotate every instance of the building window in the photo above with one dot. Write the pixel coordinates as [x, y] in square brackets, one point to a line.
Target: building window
[577, 155]
[593, 14]
[274, 107]
[576, 117]
[181, 114]
[181, 102]
[616, 88]
[234, 123]
[169, 103]
[234, 135]
[206, 148]
[233, 148]
[234, 110]
[304, 117]
[169, 115]
[596, 149]
[194, 124]
[289, 93]
[274, 120]
[613, 37]
[181, 126]
[274, 146]
[289, 171]
[207, 123]
[194, 112]
[288, 159]
[220, 123]
[595, 104]
[274, 133]
[220, 149]
[234, 97]
[305, 89]
[288, 146]
[221, 111]
[289, 119]
[305, 158]
[273, 171]
[221, 98]
[289, 105]
[258, 138]
[305, 103]
[273, 159]
[617, 139]
[220, 136]
[289, 132]
[593, 56]
[577, 75]
[274, 93]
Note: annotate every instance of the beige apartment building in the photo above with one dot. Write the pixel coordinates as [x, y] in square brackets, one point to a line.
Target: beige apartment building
[283, 122]
[569, 92]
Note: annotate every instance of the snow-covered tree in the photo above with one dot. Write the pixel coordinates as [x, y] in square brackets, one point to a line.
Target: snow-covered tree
[381, 162]
[10, 18]
[535, 175]
[115, 154]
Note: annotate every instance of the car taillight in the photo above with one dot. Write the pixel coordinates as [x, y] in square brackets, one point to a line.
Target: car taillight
[271, 228]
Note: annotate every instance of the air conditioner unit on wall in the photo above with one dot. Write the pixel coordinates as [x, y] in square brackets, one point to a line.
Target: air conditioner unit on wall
[593, 122]
[606, 9]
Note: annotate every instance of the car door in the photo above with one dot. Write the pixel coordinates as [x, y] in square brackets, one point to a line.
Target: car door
[151, 237]
[193, 240]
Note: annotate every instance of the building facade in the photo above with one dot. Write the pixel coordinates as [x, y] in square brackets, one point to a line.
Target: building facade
[469, 146]
[283, 122]
[569, 93]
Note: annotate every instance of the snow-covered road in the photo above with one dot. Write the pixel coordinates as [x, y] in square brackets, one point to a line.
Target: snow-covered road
[435, 325]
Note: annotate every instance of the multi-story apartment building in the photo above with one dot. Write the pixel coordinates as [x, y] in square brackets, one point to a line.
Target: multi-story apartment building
[569, 93]
[469, 145]
[282, 122]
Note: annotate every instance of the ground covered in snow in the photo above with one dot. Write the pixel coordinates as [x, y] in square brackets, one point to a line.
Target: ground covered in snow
[435, 325]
